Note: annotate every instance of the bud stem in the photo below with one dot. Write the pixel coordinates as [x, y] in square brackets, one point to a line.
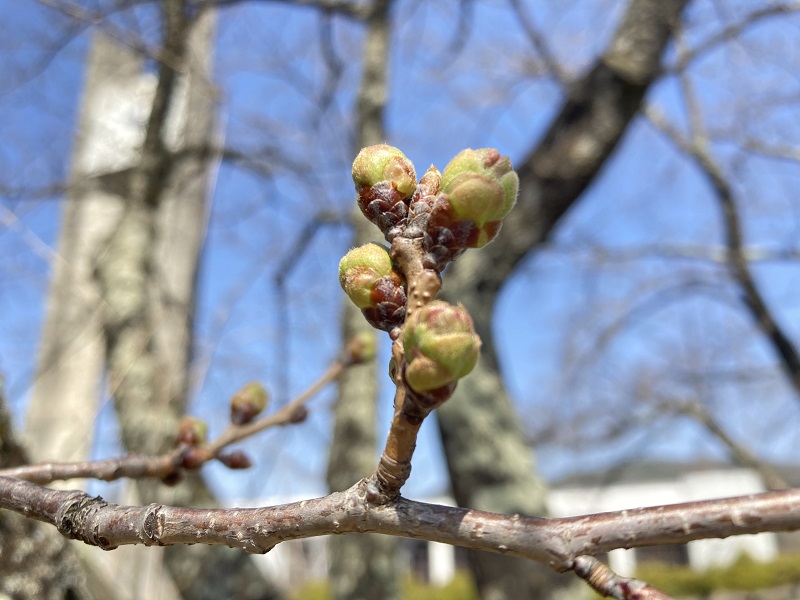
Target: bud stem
[394, 467]
[410, 408]
[423, 284]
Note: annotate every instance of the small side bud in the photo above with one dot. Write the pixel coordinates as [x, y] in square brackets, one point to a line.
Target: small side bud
[192, 431]
[440, 346]
[360, 348]
[172, 479]
[382, 162]
[299, 415]
[194, 457]
[236, 459]
[248, 403]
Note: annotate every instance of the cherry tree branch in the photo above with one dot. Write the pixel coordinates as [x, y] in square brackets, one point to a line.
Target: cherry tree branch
[555, 542]
[135, 466]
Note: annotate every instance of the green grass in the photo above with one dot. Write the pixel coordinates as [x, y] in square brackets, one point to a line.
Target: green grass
[744, 575]
[460, 588]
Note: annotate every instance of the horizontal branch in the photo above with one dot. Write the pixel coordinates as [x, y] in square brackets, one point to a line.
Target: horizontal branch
[132, 466]
[556, 542]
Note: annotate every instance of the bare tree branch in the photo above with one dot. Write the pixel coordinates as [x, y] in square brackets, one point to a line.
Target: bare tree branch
[136, 466]
[740, 453]
[732, 31]
[340, 7]
[739, 266]
[539, 43]
[555, 542]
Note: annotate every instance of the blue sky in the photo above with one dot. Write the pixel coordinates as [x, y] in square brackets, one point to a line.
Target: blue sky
[563, 298]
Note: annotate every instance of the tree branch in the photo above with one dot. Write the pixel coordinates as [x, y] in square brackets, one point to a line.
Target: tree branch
[555, 542]
[135, 466]
[737, 259]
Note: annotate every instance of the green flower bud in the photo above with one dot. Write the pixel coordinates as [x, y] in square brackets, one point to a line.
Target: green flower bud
[248, 402]
[362, 269]
[481, 185]
[361, 348]
[192, 431]
[382, 162]
[440, 346]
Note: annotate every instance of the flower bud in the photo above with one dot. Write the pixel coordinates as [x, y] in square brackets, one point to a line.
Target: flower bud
[481, 187]
[248, 402]
[385, 180]
[360, 270]
[194, 457]
[192, 431]
[430, 183]
[172, 478]
[298, 415]
[440, 346]
[360, 348]
[235, 459]
[370, 281]
[382, 162]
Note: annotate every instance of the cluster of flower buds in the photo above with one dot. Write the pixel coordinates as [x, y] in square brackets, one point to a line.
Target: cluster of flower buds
[440, 346]
[370, 280]
[462, 207]
[449, 212]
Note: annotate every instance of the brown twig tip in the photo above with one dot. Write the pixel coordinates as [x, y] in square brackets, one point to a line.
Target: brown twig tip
[604, 581]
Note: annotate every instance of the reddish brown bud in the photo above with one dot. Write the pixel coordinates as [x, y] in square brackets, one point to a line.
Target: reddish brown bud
[194, 457]
[236, 459]
[248, 402]
[299, 415]
[172, 479]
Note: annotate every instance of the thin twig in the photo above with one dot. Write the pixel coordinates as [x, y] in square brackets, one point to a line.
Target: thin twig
[136, 466]
[604, 581]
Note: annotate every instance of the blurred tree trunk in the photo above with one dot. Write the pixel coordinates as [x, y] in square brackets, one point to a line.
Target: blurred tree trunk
[36, 562]
[124, 298]
[64, 401]
[362, 567]
[490, 466]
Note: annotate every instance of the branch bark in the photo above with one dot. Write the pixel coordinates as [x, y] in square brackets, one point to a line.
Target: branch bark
[554, 542]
